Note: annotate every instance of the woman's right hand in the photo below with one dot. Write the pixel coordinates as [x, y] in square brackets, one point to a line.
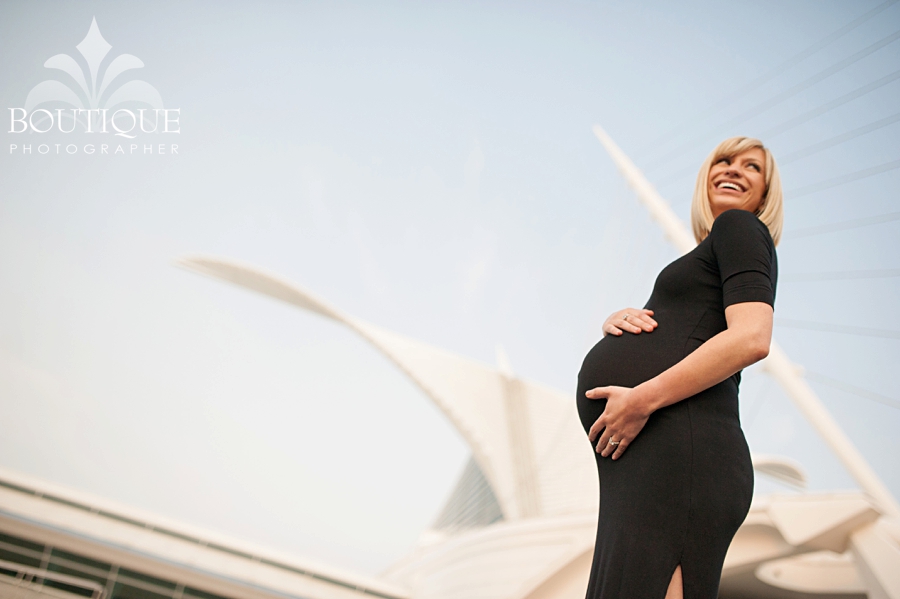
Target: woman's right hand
[633, 320]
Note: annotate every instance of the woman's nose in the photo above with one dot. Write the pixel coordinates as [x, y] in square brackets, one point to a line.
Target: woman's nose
[732, 169]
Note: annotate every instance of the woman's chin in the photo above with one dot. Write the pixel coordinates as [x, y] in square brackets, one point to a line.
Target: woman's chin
[720, 205]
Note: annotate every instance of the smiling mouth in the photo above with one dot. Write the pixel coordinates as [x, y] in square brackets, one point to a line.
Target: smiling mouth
[729, 185]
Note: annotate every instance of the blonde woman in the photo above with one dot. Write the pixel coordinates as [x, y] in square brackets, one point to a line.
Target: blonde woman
[658, 395]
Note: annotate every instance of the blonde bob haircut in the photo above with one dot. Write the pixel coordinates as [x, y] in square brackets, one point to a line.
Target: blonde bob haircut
[771, 209]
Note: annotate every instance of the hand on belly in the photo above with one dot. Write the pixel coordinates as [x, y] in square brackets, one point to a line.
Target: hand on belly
[624, 417]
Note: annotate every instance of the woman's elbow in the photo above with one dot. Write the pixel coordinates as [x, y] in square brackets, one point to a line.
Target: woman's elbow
[751, 324]
[760, 351]
[757, 347]
[752, 346]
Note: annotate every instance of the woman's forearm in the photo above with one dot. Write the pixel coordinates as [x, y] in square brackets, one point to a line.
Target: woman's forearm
[745, 342]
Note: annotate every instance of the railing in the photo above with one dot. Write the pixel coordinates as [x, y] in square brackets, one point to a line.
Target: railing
[27, 576]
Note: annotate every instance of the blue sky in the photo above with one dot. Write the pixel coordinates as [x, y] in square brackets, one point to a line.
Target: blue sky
[429, 168]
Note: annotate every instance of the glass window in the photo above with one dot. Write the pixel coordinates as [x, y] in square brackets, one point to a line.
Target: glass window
[127, 591]
[142, 580]
[20, 551]
[16, 557]
[78, 566]
[131, 584]
[69, 588]
[21, 543]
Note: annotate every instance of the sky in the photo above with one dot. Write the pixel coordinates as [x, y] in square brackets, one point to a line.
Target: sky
[428, 168]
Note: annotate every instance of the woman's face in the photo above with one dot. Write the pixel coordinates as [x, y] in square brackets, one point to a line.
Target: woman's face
[738, 182]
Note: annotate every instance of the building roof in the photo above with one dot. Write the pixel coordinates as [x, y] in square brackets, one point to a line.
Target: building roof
[104, 530]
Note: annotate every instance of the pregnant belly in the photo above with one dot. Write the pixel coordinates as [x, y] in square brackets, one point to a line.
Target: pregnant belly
[625, 361]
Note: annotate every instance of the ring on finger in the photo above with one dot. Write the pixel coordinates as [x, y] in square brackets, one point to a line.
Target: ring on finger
[614, 443]
[625, 317]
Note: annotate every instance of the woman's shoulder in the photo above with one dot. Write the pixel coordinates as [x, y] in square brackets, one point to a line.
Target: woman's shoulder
[737, 217]
[738, 223]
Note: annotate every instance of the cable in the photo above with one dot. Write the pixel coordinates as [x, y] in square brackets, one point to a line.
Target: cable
[845, 275]
[843, 179]
[842, 226]
[820, 76]
[814, 148]
[777, 70]
[781, 97]
[882, 399]
[811, 114]
[807, 116]
[838, 139]
[808, 150]
[836, 328]
[818, 147]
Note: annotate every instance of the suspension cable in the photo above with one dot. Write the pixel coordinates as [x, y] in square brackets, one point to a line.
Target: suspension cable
[774, 72]
[841, 275]
[836, 328]
[843, 179]
[882, 399]
[828, 106]
[842, 226]
[807, 116]
[788, 93]
[839, 139]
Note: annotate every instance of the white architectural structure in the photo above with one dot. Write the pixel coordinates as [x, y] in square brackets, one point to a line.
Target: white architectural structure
[520, 523]
[62, 543]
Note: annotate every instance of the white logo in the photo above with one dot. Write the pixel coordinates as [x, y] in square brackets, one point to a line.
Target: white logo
[93, 102]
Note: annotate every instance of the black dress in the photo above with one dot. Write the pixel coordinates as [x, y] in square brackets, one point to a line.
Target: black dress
[683, 487]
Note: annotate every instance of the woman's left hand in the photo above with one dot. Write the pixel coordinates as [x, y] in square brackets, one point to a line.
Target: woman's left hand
[624, 417]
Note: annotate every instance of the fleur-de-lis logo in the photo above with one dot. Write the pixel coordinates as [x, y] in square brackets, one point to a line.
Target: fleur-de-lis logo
[94, 49]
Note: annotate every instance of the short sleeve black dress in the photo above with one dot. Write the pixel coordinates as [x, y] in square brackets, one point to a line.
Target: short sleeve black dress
[680, 492]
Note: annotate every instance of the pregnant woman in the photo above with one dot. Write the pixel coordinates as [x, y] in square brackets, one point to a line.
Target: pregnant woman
[658, 395]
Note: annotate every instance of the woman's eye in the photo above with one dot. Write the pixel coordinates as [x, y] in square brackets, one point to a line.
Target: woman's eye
[755, 166]
[723, 161]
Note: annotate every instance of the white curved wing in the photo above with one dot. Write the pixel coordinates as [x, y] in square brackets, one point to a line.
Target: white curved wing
[526, 438]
